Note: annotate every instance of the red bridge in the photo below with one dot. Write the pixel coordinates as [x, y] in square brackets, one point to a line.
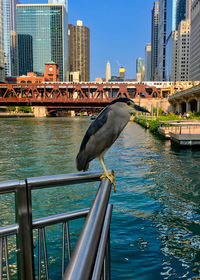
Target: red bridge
[72, 96]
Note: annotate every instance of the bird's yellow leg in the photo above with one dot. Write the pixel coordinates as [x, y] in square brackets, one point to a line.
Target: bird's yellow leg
[107, 174]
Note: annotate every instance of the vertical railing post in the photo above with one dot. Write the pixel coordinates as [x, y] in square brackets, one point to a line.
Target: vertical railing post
[25, 257]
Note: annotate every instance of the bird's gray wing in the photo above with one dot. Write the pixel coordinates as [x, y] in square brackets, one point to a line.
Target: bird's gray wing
[83, 157]
[95, 126]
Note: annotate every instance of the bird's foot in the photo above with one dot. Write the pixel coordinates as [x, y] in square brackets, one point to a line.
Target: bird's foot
[110, 177]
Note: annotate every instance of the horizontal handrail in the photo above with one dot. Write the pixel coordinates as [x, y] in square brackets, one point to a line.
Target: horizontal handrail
[59, 218]
[46, 221]
[8, 186]
[63, 179]
[50, 181]
[84, 255]
[9, 230]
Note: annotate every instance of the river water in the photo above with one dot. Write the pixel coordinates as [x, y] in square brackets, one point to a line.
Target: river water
[155, 230]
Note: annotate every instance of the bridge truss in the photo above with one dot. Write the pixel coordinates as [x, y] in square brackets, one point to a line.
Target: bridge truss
[71, 95]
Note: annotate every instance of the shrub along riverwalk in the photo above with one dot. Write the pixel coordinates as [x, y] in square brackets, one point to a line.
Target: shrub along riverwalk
[153, 123]
[182, 130]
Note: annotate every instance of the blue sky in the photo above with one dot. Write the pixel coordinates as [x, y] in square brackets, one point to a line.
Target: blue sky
[119, 31]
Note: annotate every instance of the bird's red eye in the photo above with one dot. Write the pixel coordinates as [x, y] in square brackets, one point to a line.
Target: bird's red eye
[128, 103]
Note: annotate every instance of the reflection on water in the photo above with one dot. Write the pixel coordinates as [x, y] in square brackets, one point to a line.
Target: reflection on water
[155, 231]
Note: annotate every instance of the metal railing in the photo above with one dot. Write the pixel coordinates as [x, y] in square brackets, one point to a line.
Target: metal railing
[90, 257]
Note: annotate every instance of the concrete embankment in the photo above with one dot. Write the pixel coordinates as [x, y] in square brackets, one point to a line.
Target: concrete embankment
[16, 115]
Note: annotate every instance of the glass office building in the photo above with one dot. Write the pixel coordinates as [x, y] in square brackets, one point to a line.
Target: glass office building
[170, 27]
[10, 38]
[139, 65]
[64, 2]
[154, 41]
[42, 35]
[162, 40]
[180, 12]
[1, 45]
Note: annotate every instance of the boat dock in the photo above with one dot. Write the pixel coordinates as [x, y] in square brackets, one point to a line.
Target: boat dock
[183, 133]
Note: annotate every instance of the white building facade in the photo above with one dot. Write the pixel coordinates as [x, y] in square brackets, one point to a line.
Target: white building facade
[195, 42]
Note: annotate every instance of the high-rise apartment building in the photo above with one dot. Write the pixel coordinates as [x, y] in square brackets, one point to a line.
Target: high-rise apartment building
[108, 71]
[10, 38]
[154, 41]
[183, 49]
[79, 49]
[162, 40]
[195, 42]
[181, 43]
[2, 74]
[148, 62]
[42, 30]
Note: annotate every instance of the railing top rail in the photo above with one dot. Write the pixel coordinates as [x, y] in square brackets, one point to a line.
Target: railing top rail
[8, 230]
[63, 179]
[9, 186]
[50, 181]
[46, 221]
[59, 218]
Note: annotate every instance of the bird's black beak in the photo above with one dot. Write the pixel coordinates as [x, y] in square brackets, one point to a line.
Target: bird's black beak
[138, 108]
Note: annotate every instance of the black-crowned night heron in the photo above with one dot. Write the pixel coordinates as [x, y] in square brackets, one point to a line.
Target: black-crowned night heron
[103, 132]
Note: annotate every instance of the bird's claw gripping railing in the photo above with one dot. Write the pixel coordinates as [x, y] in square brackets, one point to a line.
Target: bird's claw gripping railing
[90, 258]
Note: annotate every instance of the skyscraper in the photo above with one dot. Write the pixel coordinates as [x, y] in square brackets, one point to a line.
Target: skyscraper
[42, 30]
[139, 69]
[194, 69]
[181, 43]
[183, 48]
[108, 71]
[170, 27]
[162, 40]
[10, 38]
[154, 41]
[122, 72]
[180, 12]
[63, 2]
[2, 74]
[174, 55]
[79, 49]
[148, 62]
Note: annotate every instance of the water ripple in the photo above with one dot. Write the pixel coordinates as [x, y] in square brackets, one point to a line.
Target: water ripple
[155, 229]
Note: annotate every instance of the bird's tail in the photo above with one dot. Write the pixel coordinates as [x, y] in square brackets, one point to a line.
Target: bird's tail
[82, 162]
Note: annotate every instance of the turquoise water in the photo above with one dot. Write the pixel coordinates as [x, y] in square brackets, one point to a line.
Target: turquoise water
[155, 230]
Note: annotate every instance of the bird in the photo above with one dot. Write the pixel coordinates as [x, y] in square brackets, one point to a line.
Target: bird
[103, 132]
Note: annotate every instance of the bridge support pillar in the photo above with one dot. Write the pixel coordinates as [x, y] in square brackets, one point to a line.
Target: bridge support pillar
[39, 112]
